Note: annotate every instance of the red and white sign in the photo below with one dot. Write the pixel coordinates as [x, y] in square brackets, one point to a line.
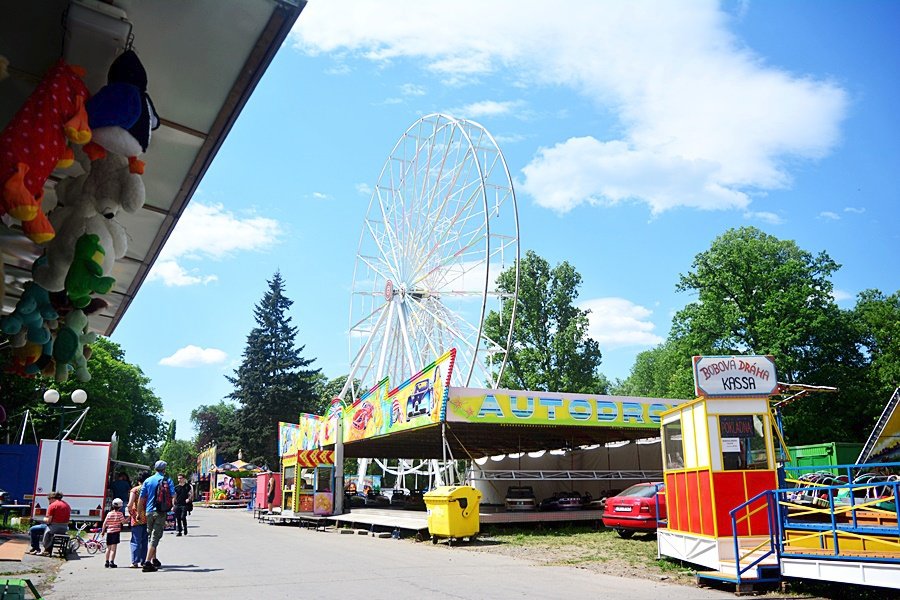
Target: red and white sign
[734, 376]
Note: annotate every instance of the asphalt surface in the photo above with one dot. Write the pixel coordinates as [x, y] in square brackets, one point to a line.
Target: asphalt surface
[229, 555]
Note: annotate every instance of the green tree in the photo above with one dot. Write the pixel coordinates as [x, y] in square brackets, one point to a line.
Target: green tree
[878, 319]
[662, 372]
[217, 423]
[273, 382]
[757, 295]
[551, 349]
[181, 456]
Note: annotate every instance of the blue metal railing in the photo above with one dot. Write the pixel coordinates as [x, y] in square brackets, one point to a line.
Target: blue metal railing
[773, 530]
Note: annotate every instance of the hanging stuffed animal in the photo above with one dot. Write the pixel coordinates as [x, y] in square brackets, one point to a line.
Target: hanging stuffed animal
[121, 113]
[72, 347]
[32, 313]
[34, 143]
[85, 276]
[89, 204]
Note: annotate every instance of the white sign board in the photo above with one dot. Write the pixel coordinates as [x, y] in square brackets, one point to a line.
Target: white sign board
[731, 444]
[716, 376]
[82, 477]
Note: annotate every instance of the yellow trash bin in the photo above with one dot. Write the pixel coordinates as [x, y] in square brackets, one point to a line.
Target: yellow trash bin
[453, 512]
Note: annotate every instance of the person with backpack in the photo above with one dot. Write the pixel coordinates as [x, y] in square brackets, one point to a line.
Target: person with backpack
[156, 500]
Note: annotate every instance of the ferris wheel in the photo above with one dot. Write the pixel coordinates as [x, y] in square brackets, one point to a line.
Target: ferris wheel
[442, 224]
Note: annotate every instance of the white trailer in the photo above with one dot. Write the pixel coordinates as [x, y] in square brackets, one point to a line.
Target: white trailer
[82, 477]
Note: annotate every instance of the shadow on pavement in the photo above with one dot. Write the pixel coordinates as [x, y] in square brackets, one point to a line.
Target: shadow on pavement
[187, 568]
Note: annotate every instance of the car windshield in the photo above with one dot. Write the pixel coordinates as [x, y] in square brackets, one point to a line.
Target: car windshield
[640, 491]
[519, 493]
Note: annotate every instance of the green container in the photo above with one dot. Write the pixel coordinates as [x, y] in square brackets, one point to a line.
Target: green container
[817, 457]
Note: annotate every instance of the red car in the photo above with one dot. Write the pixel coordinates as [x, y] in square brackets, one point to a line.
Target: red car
[634, 510]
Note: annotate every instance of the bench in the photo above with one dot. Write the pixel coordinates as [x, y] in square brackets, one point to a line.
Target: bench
[61, 546]
[14, 589]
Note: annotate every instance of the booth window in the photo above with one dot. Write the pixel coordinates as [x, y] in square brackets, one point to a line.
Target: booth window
[289, 477]
[743, 442]
[324, 481]
[672, 445]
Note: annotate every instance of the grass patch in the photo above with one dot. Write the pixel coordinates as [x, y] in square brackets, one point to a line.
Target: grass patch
[584, 546]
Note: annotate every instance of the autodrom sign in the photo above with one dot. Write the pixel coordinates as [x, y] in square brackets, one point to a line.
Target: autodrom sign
[735, 376]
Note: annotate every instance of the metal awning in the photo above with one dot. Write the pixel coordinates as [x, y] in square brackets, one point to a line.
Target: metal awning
[203, 60]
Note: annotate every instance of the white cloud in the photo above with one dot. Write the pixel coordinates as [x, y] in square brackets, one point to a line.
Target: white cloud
[208, 231]
[841, 295]
[617, 322]
[411, 89]
[513, 138]
[320, 196]
[364, 188]
[764, 216]
[853, 209]
[485, 108]
[701, 116]
[827, 214]
[194, 356]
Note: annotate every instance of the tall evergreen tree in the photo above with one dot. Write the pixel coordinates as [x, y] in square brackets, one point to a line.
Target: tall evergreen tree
[273, 382]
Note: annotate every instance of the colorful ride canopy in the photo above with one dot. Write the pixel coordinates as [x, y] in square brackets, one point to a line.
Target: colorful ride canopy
[426, 399]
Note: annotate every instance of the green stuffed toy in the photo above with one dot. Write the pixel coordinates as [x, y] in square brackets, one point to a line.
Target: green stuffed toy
[85, 276]
[72, 347]
[32, 312]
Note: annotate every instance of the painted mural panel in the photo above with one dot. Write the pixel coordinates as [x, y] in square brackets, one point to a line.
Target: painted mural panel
[206, 461]
[288, 438]
[418, 401]
[310, 428]
[511, 407]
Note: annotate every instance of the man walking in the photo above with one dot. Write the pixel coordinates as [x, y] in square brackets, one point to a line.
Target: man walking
[182, 497]
[156, 500]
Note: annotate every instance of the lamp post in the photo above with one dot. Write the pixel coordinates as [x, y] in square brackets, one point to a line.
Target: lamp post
[51, 397]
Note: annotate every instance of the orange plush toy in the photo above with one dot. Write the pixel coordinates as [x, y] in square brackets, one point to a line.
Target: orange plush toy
[34, 143]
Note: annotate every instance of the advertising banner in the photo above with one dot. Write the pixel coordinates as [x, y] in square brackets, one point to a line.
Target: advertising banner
[724, 376]
[418, 401]
[328, 425]
[310, 427]
[288, 438]
[366, 416]
[510, 407]
[206, 461]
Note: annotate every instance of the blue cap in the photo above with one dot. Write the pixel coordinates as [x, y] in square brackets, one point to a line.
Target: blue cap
[160, 465]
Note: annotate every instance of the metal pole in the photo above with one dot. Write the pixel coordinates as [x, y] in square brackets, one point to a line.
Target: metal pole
[58, 448]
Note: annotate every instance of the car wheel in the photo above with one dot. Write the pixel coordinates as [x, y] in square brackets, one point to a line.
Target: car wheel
[625, 534]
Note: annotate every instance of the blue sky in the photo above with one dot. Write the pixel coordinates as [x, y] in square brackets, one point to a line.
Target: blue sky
[635, 134]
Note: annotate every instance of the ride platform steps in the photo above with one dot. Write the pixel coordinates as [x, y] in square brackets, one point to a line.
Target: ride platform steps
[764, 578]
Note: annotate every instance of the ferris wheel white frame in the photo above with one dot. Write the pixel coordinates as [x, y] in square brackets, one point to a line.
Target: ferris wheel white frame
[443, 210]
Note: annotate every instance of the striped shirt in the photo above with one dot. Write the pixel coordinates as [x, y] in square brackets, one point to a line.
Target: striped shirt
[113, 522]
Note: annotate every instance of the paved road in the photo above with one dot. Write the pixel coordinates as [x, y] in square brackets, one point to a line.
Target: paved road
[229, 555]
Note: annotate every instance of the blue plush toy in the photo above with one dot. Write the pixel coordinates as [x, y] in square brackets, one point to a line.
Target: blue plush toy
[30, 315]
[121, 114]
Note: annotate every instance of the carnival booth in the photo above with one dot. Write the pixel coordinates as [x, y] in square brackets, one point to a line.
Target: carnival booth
[718, 454]
[308, 478]
[262, 487]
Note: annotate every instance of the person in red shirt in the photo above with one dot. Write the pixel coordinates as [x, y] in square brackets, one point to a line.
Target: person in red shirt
[58, 515]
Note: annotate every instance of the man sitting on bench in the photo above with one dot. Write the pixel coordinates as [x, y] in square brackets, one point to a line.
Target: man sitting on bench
[58, 515]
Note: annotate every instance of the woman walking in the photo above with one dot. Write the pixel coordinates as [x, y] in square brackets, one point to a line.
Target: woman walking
[138, 523]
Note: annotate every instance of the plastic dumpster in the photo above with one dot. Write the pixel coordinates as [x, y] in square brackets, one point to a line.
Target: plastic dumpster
[453, 512]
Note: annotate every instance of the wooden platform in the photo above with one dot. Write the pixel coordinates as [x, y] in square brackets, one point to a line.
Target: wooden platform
[14, 549]
[748, 585]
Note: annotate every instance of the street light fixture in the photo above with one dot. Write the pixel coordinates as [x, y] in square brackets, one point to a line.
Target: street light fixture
[51, 397]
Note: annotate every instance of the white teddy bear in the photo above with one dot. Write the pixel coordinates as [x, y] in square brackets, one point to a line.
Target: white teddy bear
[89, 203]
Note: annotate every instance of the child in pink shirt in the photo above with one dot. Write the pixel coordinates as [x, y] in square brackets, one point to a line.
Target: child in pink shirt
[112, 527]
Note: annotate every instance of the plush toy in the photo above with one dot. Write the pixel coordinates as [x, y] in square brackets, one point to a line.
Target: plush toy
[121, 114]
[34, 143]
[85, 276]
[71, 349]
[89, 204]
[32, 312]
[23, 359]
